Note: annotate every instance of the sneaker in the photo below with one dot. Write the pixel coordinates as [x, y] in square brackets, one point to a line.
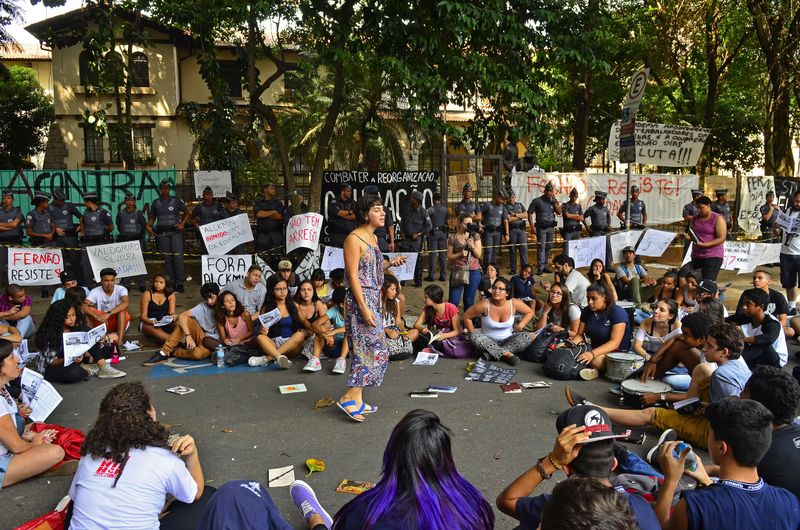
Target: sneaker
[157, 358]
[258, 360]
[109, 372]
[587, 374]
[284, 362]
[340, 367]
[313, 365]
[670, 435]
[428, 278]
[306, 501]
[91, 369]
[512, 359]
[573, 398]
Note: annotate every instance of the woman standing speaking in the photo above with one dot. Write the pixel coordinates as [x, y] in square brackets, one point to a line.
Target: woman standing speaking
[364, 267]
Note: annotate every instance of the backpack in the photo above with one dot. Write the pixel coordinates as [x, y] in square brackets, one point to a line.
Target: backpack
[544, 343]
[561, 364]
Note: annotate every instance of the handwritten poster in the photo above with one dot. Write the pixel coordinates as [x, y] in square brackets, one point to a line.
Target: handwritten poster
[223, 270]
[125, 258]
[620, 240]
[583, 251]
[654, 243]
[303, 231]
[660, 144]
[220, 182]
[225, 234]
[752, 197]
[745, 256]
[34, 266]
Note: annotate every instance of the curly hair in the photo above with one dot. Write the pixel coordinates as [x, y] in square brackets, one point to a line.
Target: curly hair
[124, 424]
[49, 335]
[220, 314]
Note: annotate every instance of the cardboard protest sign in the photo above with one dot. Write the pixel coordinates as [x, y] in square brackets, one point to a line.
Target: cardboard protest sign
[583, 251]
[303, 231]
[332, 258]
[654, 243]
[220, 182]
[752, 196]
[620, 240]
[662, 145]
[125, 258]
[34, 266]
[223, 270]
[744, 255]
[225, 234]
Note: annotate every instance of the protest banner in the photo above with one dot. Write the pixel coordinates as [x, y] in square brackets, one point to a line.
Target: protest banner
[664, 195]
[34, 266]
[219, 181]
[125, 258]
[303, 231]
[752, 196]
[745, 256]
[225, 234]
[654, 243]
[583, 251]
[406, 270]
[620, 240]
[394, 187]
[310, 261]
[662, 145]
[456, 181]
[223, 270]
[785, 188]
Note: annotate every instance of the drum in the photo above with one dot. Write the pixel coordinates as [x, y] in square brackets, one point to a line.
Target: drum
[629, 308]
[632, 390]
[619, 365]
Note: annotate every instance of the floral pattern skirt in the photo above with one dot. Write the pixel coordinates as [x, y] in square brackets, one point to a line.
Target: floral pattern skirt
[368, 351]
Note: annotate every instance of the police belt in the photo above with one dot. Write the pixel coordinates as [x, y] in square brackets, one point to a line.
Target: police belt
[67, 233]
[569, 229]
[440, 229]
[516, 225]
[95, 239]
[600, 230]
[491, 229]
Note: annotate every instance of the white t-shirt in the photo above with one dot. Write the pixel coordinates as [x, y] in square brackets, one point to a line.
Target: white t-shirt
[135, 503]
[577, 284]
[779, 344]
[8, 407]
[107, 302]
[790, 243]
[204, 315]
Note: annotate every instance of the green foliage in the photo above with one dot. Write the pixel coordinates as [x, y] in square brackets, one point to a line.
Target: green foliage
[218, 143]
[26, 113]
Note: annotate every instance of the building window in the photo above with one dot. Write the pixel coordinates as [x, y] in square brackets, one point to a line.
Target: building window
[88, 76]
[231, 75]
[143, 144]
[92, 146]
[114, 69]
[140, 70]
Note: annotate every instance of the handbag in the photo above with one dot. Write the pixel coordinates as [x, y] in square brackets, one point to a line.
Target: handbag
[459, 278]
[544, 343]
[55, 520]
[562, 363]
[69, 439]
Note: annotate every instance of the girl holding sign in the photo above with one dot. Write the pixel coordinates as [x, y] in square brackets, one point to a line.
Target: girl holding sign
[364, 268]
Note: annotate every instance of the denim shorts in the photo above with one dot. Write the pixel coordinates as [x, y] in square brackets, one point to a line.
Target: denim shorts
[5, 461]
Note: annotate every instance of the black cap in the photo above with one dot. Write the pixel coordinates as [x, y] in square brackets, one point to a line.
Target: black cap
[59, 195]
[129, 195]
[600, 195]
[90, 196]
[371, 189]
[41, 195]
[549, 186]
[709, 286]
[345, 186]
[8, 193]
[230, 196]
[208, 189]
[634, 188]
[467, 187]
[67, 276]
[164, 182]
[416, 194]
[721, 191]
[596, 421]
[511, 193]
[573, 191]
[697, 192]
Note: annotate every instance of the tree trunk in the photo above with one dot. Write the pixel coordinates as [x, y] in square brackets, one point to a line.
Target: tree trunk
[583, 103]
[280, 143]
[323, 149]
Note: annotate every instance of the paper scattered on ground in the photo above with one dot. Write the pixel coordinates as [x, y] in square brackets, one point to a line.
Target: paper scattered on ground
[291, 389]
[537, 384]
[281, 477]
[425, 358]
[354, 486]
[486, 372]
[180, 390]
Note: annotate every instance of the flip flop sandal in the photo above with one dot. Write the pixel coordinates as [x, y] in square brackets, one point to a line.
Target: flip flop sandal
[351, 414]
[370, 410]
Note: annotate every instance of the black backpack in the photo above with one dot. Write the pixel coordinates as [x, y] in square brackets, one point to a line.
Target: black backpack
[561, 364]
[544, 343]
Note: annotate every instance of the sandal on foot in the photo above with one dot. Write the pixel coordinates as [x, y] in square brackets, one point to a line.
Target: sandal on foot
[368, 409]
[351, 413]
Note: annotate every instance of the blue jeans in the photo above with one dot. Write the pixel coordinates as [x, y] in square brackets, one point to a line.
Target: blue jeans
[454, 296]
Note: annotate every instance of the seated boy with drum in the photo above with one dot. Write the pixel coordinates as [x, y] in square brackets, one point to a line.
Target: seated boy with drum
[723, 374]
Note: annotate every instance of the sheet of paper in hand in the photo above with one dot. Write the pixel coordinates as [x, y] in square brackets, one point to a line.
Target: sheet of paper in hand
[270, 318]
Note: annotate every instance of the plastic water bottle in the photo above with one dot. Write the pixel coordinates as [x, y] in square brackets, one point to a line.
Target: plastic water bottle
[219, 354]
[691, 458]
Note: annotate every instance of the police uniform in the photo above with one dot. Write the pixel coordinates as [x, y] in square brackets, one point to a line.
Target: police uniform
[690, 210]
[517, 238]
[638, 210]
[131, 226]
[437, 240]
[227, 213]
[767, 226]
[204, 213]
[724, 210]
[339, 226]
[382, 232]
[494, 215]
[600, 219]
[167, 214]
[11, 237]
[470, 208]
[63, 216]
[269, 231]
[544, 210]
[40, 222]
[572, 228]
[414, 221]
[95, 232]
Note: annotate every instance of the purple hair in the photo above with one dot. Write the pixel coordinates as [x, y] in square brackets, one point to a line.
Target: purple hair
[420, 481]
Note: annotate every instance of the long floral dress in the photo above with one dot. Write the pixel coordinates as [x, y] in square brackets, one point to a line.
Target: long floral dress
[369, 355]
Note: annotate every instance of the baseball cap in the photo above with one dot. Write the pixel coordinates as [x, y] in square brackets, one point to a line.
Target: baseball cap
[600, 195]
[345, 186]
[284, 264]
[709, 286]
[67, 276]
[596, 421]
[697, 192]
[628, 249]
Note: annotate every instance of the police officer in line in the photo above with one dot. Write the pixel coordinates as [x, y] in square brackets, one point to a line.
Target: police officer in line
[66, 236]
[95, 229]
[638, 211]
[341, 216]
[722, 207]
[11, 221]
[385, 233]
[517, 234]
[169, 214]
[769, 214]
[437, 239]
[230, 208]
[414, 224]
[132, 226]
[468, 206]
[600, 219]
[269, 220]
[39, 226]
[206, 211]
[689, 211]
[495, 227]
[572, 213]
[545, 208]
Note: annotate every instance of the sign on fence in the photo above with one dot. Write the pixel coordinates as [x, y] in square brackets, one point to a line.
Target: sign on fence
[220, 182]
[34, 266]
[303, 231]
[226, 234]
[752, 197]
[583, 251]
[125, 258]
[223, 270]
